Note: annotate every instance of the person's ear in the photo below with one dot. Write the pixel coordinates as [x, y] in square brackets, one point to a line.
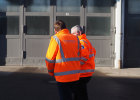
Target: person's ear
[55, 31]
[80, 33]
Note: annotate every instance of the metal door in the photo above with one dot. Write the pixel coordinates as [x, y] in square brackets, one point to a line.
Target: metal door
[38, 24]
[132, 34]
[32, 21]
[100, 29]
[10, 21]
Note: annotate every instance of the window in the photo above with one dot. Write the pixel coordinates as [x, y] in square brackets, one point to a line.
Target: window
[37, 5]
[98, 26]
[38, 25]
[68, 5]
[134, 6]
[99, 6]
[9, 5]
[9, 25]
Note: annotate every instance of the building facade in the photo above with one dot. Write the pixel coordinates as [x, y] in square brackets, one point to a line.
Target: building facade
[111, 25]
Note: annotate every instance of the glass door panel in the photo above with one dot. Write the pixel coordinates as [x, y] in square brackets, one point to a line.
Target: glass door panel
[68, 5]
[9, 25]
[133, 6]
[38, 25]
[37, 5]
[98, 26]
[9, 5]
[99, 6]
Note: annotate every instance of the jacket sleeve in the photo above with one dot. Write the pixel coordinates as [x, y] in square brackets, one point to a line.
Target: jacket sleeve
[51, 56]
[94, 51]
[84, 51]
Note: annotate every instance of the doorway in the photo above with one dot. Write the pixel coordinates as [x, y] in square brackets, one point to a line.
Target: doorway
[132, 34]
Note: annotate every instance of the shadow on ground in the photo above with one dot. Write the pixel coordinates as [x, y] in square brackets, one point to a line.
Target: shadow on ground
[27, 84]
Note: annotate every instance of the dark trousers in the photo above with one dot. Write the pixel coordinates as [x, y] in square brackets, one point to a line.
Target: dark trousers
[69, 90]
[83, 87]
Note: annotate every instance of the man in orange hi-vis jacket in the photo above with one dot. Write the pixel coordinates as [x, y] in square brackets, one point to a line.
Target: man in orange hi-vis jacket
[88, 53]
[63, 61]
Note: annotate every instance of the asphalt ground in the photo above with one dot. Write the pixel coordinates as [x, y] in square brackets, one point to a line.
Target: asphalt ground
[34, 83]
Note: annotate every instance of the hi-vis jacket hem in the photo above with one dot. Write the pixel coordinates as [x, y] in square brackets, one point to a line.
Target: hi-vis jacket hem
[63, 60]
[67, 73]
[71, 72]
[86, 71]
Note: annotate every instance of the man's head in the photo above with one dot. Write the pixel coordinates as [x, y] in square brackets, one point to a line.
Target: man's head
[76, 30]
[59, 25]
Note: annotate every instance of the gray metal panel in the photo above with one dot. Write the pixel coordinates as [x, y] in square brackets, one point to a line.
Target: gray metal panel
[99, 14]
[102, 47]
[36, 47]
[9, 47]
[13, 46]
[100, 62]
[36, 13]
[103, 52]
[68, 14]
[35, 51]
[13, 61]
[9, 51]
[34, 61]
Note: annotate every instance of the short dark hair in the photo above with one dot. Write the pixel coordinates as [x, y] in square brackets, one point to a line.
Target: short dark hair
[59, 25]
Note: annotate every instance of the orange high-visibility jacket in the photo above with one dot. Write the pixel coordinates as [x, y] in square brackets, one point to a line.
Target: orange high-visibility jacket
[88, 53]
[63, 57]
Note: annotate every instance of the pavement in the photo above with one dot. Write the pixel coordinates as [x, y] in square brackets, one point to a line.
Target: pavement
[34, 83]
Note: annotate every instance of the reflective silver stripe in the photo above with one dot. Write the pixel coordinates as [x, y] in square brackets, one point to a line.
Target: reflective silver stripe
[78, 46]
[51, 70]
[50, 61]
[84, 41]
[62, 54]
[62, 60]
[67, 73]
[67, 59]
[84, 59]
[82, 63]
[86, 71]
[61, 50]
[91, 55]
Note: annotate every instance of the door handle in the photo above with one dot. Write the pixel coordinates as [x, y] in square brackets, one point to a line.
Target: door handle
[25, 29]
[24, 54]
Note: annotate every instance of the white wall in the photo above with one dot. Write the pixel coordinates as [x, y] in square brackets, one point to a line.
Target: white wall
[118, 34]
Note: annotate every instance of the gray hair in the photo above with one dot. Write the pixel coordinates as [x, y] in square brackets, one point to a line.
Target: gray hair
[78, 28]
